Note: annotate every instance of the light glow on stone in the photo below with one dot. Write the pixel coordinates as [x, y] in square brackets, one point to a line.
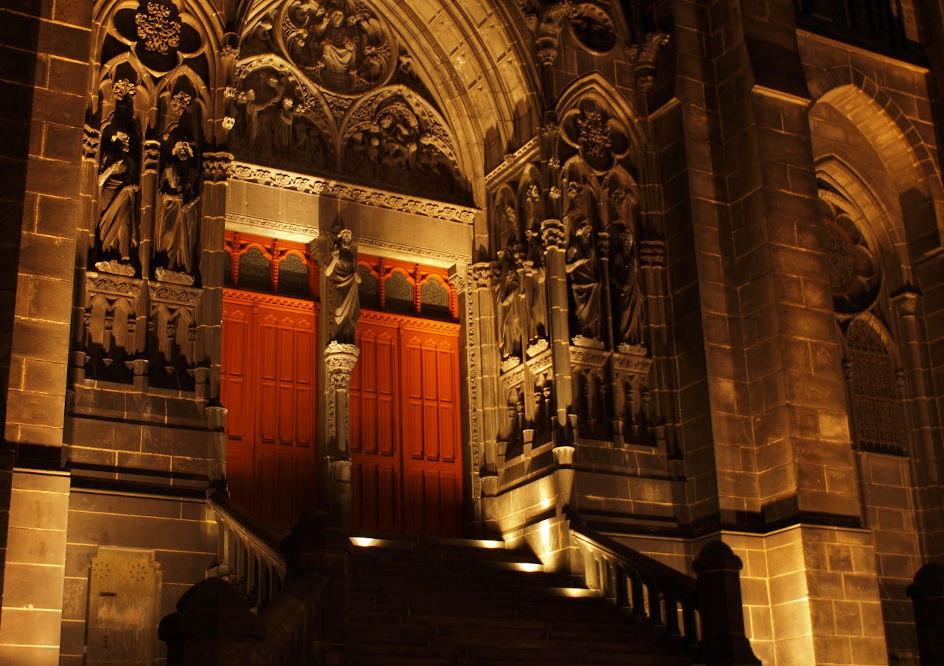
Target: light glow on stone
[530, 567]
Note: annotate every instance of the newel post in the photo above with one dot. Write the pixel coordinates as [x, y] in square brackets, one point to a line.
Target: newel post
[318, 544]
[719, 603]
[927, 595]
[212, 626]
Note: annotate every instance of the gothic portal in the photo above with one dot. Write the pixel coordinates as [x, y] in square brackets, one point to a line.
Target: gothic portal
[663, 271]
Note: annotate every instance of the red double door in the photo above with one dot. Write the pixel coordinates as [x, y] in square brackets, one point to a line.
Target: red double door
[405, 437]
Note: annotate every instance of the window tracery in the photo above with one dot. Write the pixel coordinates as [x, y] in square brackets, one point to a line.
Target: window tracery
[876, 409]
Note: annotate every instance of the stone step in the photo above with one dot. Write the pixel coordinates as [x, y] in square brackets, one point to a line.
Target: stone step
[421, 601]
[363, 655]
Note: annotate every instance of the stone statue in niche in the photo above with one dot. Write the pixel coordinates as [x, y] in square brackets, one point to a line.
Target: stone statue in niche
[343, 278]
[177, 219]
[118, 177]
[535, 279]
[627, 295]
[581, 266]
[508, 291]
[533, 207]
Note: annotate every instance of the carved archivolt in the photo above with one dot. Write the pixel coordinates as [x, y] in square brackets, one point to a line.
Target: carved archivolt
[325, 87]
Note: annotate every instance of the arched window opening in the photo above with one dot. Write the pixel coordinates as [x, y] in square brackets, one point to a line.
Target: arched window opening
[876, 412]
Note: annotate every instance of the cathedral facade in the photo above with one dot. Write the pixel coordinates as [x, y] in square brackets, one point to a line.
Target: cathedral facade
[663, 271]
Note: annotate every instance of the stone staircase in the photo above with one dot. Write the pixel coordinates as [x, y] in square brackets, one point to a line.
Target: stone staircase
[423, 601]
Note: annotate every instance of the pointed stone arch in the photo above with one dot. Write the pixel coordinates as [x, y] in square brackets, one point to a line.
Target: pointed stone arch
[899, 146]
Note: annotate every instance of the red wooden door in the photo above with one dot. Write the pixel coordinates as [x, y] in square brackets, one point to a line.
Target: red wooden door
[405, 426]
[268, 387]
[375, 426]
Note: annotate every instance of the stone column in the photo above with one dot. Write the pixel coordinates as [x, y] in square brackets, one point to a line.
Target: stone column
[339, 359]
[471, 366]
[213, 263]
[149, 168]
[491, 403]
[652, 269]
[553, 235]
[927, 595]
[87, 187]
[918, 407]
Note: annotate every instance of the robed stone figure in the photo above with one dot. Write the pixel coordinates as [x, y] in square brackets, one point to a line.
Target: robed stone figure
[508, 289]
[585, 286]
[118, 175]
[342, 276]
[628, 298]
[177, 220]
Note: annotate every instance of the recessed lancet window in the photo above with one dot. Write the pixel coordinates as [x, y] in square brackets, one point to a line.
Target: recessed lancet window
[876, 411]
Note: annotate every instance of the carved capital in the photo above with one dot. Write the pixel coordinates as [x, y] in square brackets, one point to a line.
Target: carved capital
[906, 299]
[482, 273]
[340, 359]
[552, 233]
[603, 245]
[644, 55]
[547, 49]
[459, 278]
[91, 138]
[217, 166]
[152, 155]
[652, 253]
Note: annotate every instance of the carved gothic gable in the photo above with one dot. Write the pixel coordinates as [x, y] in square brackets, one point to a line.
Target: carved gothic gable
[325, 86]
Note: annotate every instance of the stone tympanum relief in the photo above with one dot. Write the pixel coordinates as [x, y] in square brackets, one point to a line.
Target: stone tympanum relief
[324, 86]
[145, 165]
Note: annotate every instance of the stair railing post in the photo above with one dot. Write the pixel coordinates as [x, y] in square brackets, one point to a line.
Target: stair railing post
[317, 544]
[927, 596]
[213, 626]
[719, 599]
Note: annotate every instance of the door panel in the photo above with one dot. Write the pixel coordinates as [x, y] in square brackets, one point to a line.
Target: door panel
[405, 427]
[374, 426]
[267, 387]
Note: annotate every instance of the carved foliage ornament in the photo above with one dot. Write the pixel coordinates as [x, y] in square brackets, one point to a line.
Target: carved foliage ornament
[158, 34]
[600, 138]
